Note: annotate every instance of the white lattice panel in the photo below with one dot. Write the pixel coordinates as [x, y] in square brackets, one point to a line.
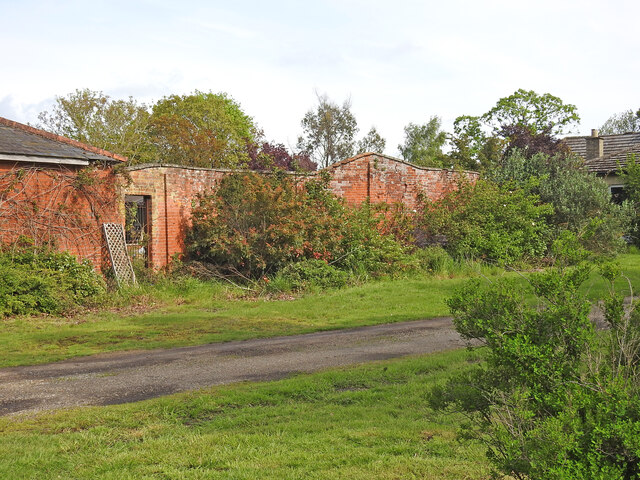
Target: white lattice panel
[117, 247]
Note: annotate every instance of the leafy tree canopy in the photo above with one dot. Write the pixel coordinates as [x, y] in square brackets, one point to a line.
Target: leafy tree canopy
[522, 139]
[630, 176]
[92, 117]
[472, 148]
[328, 132]
[423, 144]
[268, 156]
[623, 122]
[201, 129]
[524, 120]
[536, 112]
[372, 142]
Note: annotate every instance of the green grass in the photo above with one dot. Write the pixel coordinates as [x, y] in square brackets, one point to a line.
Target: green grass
[205, 314]
[191, 312]
[368, 422]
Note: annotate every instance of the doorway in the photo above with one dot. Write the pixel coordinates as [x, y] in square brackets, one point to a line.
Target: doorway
[137, 226]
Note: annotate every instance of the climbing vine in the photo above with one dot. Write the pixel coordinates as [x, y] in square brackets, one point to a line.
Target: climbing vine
[59, 206]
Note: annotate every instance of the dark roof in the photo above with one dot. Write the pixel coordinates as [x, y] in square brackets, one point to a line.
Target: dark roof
[615, 149]
[578, 145]
[610, 163]
[19, 140]
[617, 143]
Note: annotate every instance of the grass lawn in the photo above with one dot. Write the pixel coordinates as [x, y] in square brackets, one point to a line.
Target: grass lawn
[367, 422]
[196, 313]
[191, 313]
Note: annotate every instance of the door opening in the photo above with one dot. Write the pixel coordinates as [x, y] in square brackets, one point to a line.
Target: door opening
[137, 226]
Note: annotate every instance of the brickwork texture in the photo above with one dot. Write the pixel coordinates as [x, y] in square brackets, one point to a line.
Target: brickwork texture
[171, 191]
[67, 206]
[62, 206]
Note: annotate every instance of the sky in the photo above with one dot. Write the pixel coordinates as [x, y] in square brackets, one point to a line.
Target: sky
[397, 61]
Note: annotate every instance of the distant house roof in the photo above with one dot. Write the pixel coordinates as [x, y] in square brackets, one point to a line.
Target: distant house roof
[604, 154]
[22, 143]
[612, 162]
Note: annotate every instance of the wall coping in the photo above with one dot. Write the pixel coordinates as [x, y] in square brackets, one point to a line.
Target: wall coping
[144, 166]
[394, 159]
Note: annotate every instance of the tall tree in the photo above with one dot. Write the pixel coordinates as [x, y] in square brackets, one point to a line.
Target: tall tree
[201, 129]
[269, 156]
[372, 142]
[328, 132]
[523, 119]
[520, 138]
[472, 148]
[534, 111]
[623, 122]
[423, 144]
[96, 119]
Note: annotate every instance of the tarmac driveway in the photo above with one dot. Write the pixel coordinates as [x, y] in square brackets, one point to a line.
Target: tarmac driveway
[122, 377]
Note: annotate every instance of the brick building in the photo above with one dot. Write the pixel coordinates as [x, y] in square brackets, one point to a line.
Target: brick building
[55, 190]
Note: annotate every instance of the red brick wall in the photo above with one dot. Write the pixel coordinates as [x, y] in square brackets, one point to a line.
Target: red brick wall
[172, 189]
[385, 179]
[52, 204]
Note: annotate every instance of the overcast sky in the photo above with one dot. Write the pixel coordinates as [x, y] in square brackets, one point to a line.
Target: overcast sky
[398, 61]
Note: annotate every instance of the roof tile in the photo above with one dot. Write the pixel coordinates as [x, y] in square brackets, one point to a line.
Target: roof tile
[19, 139]
[616, 150]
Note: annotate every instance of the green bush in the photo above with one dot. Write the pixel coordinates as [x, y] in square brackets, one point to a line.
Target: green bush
[310, 274]
[581, 202]
[489, 222]
[255, 225]
[630, 176]
[40, 280]
[554, 398]
[367, 246]
[435, 260]
[23, 291]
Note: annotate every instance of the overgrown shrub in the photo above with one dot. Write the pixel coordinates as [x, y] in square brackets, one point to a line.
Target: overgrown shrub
[630, 176]
[434, 259]
[581, 201]
[40, 280]
[396, 220]
[554, 400]
[255, 225]
[368, 245]
[310, 274]
[23, 291]
[489, 222]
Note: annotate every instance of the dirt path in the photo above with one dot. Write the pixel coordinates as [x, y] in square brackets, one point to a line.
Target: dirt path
[131, 376]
